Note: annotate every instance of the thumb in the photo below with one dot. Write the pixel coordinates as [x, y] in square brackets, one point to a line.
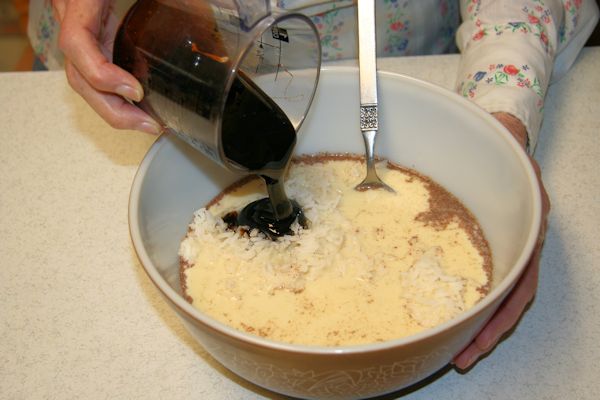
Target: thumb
[58, 9]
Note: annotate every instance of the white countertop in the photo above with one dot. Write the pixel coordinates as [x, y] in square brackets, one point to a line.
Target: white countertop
[79, 318]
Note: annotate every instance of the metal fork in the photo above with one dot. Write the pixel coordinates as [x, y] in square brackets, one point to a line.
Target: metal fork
[367, 61]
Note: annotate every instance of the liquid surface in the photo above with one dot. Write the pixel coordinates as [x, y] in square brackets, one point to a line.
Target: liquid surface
[259, 215]
[373, 266]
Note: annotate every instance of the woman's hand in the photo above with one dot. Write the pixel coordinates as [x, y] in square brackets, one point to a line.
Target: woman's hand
[87, 32]
[522, 294]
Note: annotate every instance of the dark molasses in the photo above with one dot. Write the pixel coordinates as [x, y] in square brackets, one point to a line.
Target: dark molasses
[186, 69]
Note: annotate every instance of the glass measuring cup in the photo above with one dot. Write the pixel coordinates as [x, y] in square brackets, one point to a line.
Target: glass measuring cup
[203, 63]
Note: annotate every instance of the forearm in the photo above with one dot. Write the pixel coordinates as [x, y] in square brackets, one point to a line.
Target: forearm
[511, 48]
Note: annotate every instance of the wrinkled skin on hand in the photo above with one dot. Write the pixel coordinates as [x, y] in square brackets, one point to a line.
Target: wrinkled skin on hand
[87, 32]
[515, 304]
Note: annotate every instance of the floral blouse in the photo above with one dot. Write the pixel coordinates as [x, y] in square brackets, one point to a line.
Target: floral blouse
[511, 49]
[42, 30]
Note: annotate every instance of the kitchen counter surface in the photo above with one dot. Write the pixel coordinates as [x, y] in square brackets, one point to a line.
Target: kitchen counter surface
[79, 318]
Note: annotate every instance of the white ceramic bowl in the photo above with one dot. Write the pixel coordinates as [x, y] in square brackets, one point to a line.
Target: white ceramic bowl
[423, 127]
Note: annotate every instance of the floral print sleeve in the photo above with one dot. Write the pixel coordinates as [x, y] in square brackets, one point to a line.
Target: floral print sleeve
[512, 49]
[404, 27]
[43, 30]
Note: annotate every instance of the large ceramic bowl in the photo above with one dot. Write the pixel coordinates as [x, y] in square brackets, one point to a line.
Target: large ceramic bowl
[423, 127]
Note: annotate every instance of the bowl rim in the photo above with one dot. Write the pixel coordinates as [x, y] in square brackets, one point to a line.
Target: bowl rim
[498, 292]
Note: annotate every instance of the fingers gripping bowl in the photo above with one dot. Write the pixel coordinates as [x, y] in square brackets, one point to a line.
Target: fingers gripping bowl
[423, 127]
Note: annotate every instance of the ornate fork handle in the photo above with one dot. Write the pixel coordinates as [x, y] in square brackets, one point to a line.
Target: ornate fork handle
[367, 61]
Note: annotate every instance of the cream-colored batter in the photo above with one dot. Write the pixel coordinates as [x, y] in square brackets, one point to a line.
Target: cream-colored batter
[372, 266]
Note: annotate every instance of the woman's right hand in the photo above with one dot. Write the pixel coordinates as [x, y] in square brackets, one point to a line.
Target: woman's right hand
[87, 32]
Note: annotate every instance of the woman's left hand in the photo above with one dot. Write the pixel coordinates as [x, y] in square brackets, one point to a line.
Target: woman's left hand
[510, 311]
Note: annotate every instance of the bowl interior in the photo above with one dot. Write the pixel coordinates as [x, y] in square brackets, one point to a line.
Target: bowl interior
[422, 127]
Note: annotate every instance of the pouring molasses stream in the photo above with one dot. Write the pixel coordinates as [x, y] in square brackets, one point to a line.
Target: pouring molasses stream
[219, 74]
[267, 150]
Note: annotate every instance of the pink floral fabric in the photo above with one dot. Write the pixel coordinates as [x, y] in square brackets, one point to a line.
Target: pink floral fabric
[404, 27]
[511, 48]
